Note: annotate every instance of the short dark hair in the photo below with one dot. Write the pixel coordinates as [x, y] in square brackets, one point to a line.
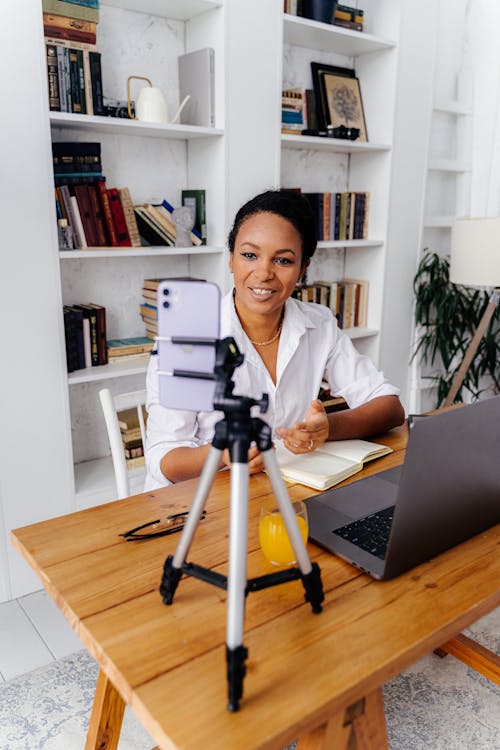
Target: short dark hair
[289, 204]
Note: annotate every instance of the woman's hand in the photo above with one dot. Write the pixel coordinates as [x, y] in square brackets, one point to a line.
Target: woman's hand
[306, 436]
[255, 462]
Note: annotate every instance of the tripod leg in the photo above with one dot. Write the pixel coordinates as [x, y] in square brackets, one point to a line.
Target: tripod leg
[236, 653]
[311, 576]
[173, 565]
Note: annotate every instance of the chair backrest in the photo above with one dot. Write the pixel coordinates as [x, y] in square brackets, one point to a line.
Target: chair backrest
[111, 405]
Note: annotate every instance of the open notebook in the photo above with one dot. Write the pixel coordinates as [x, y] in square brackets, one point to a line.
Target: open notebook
[332, 463]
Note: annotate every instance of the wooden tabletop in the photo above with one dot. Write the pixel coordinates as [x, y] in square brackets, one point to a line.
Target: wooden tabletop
[168, 663]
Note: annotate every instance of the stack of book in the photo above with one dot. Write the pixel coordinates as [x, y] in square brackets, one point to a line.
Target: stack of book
[97, 216]
[348, 17]
[298, 111]
[340, 216]
[347, 299]
[128, 420]
[149, 307]
[156, 226]
[121, 350]
[85, 336]
[73, 62]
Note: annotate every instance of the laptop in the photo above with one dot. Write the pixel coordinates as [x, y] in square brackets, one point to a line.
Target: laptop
[447, 490]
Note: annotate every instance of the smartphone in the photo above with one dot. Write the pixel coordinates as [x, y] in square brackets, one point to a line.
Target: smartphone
[187, 309]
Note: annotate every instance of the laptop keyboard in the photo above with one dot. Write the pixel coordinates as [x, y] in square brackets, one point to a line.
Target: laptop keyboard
[370, 533]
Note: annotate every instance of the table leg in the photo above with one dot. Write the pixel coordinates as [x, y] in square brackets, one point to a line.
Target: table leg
[360, 727]
[107, 716]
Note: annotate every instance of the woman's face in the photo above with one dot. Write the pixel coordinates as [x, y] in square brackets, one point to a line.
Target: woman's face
[266, 263]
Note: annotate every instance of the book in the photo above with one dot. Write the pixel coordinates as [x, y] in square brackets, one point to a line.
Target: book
[87, 215]
[81, 240]
[101, 332]
[149, 311]
[118, 217]
[90, 315]
[135, 345]
[128, 419]
[53, 78]
[196, 201]
[96, 82]
[61, 8]
[86, 3]
[332, 463]
[152, 233]
[69, 32]
[111, 235]
[70, 43]
[130, 220]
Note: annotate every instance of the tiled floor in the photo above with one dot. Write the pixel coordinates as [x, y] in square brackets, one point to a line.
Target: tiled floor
[33, 632]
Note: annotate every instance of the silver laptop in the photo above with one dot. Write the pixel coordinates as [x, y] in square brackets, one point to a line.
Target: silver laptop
[447, 490]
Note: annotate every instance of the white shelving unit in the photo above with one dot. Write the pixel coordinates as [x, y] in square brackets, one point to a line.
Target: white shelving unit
[333, 165]
[153, 161]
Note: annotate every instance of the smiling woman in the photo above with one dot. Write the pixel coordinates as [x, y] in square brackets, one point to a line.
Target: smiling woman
[289, 348]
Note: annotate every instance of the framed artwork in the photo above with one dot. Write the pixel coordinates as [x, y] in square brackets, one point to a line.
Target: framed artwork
[343, 103]
[318, 70]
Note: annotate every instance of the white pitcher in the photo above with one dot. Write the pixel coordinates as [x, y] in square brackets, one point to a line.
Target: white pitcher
[151, 104]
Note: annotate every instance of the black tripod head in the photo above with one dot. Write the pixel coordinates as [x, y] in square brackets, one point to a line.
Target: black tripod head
[227, 358]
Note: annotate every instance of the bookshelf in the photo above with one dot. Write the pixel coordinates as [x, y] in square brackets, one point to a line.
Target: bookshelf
[154, 161]
[334, 165]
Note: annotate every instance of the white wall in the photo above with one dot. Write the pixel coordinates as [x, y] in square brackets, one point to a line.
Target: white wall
[35, 459]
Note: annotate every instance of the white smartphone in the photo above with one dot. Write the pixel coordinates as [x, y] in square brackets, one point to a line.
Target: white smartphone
[187, 310]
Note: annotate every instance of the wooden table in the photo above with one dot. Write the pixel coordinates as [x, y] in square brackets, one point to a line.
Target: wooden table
[317, 677]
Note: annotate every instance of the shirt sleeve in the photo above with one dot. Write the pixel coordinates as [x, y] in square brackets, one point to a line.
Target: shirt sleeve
[166, 429]
[353, 375]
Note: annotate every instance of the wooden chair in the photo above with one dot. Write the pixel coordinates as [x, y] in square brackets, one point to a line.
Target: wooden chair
[111, 405]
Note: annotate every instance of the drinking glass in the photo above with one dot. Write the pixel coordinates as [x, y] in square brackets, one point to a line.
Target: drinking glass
[273, 536]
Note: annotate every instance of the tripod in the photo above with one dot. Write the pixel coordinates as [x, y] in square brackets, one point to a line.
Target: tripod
[236, 431]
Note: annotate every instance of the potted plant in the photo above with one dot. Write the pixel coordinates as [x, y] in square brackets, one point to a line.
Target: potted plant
[447, 316]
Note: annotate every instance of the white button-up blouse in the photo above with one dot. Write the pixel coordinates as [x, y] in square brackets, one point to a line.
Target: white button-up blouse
[312, 349]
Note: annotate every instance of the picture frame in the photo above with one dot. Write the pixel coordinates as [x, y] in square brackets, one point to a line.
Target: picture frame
[343, 103]
[318, 70]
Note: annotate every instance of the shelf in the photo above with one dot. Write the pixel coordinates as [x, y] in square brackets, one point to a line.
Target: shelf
[360, 333]
[303, 32]
[449, 165]
[180, 10]
[453, 108]
[119, 126]
[350, 243]
[106, 372]
[439, 222]
[130, 252]
[338, 145]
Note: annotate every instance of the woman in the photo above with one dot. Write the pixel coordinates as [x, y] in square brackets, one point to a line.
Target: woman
[290, 347]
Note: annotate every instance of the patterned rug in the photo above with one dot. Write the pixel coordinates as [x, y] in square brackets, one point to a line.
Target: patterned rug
[437, 704]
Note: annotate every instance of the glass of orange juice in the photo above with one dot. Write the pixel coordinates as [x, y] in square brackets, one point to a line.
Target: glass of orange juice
[273, 535]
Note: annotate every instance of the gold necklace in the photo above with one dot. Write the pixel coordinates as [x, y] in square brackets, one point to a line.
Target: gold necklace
[269, 341]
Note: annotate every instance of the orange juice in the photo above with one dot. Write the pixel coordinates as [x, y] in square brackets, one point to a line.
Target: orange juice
[274, 538]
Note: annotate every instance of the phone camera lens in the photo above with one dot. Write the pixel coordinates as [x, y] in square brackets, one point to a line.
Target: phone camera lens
[166, 292]
[166, 304]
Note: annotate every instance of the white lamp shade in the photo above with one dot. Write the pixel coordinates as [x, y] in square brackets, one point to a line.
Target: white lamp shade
[475, 252]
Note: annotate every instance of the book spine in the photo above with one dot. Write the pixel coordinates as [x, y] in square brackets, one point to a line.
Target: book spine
[70, 43]
[61, 78]
[78, 228]
[78, 12]
[96, 80]
[86, 214]
[101, 333]
[53, 78]
[81, 81]
[98, 215]
[87, 82]
[70, 34]
[67, 80]
[74, 78]
[119, 218]
[68, 23]
[86, 3]
[112, 237]
[130, 220]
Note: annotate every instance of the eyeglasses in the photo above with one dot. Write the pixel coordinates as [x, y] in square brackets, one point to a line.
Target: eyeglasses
[174, 523]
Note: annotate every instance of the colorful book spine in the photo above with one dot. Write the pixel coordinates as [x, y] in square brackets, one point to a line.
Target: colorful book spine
[118, 218]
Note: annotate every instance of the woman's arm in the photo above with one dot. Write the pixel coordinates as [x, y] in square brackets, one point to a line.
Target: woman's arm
[378, 415]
